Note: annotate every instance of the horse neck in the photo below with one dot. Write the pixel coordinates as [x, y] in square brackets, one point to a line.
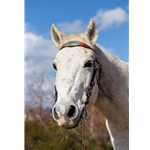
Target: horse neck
[112, 100]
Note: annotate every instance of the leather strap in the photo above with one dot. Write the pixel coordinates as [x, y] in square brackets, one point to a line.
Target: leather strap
[75, 43]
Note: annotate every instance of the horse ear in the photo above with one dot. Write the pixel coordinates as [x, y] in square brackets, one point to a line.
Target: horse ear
[56, 35]
[92, 32]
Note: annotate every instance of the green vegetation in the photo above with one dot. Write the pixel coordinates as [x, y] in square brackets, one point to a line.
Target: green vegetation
[43, 137]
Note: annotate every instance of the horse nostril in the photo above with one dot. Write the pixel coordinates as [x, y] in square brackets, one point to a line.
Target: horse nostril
[71, 111]
[55, 114]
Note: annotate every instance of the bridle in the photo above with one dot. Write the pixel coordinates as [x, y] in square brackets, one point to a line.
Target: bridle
[92, 82]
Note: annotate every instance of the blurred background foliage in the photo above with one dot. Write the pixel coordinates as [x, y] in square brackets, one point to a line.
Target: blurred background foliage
[42, 132]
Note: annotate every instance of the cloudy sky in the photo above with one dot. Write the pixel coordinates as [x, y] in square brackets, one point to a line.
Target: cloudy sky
[112, 18]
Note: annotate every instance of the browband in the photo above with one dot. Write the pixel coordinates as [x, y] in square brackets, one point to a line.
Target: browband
[75, 43]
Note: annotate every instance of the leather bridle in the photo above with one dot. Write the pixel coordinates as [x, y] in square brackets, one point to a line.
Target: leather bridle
[92, 82]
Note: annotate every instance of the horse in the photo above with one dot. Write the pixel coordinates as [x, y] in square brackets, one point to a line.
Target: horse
[86, 75]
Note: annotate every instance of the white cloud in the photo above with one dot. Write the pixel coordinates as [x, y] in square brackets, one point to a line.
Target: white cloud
[110, 18]
[108, 50]
[72, 27]
[39, 54]
[104, 19]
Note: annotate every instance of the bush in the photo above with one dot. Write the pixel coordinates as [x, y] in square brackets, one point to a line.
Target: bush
[39, 137]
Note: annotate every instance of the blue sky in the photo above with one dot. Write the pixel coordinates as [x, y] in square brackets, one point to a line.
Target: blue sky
[73, 17]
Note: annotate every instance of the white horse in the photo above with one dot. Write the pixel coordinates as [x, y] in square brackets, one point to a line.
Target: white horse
[86, 74]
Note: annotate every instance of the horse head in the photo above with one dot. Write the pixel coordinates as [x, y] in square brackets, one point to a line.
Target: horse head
[77, 74]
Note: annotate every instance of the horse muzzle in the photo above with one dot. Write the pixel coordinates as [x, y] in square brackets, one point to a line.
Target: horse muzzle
[67, 117]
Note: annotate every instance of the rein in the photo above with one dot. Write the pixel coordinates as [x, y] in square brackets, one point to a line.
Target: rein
[92, 83]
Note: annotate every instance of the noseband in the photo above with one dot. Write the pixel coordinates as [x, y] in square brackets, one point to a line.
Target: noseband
[92, 82]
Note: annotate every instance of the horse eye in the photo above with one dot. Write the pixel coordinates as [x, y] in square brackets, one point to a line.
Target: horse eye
[88, 63]
[54, 66]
